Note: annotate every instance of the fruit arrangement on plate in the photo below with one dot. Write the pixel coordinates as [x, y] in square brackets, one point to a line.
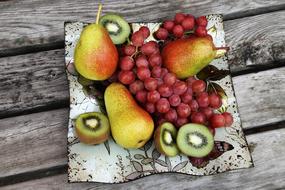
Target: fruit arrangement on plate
[152, 83]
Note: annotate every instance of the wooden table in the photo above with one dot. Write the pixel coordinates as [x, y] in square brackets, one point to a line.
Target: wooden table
[34, 97]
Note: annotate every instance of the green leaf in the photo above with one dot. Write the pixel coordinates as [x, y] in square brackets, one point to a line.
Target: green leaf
[216, 88]
[211, 72]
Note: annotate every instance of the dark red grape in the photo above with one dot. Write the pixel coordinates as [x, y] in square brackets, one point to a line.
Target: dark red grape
[162, 105]
[169, 79]
[160, 121]
[141, 61]
[208, 112]
[153, 96]
[198, 117]
[137, 39]
[126, 77]
[183, 110]
[161, 34]
[179, 87]
[145, 31]
[155, 60]
[202, 21]
[198, 86]
[143, 73]
[179, 17]
[215, 100]
[171, 115]
[201, 31]
[178, 31]
[228, 119]
[136, 86]
[129, 50]
[181, 121]
[168, 25]
[194, 105]
[141, 96]
[126, 63]
[150, 107]
[165, 90]
[188, 23]
[174, 100]
[217, 120]
[156, 71]
[203, 99]
[150, 84]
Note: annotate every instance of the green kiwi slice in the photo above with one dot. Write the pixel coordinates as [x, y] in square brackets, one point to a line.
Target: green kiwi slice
[195, 140]
[164, 139]
[118, 28]
[92, 128]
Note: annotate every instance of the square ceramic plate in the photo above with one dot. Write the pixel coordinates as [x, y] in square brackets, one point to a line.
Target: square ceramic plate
[111, 163]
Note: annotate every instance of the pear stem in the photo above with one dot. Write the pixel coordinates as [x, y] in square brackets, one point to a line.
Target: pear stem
[99, 13]
[221, 51]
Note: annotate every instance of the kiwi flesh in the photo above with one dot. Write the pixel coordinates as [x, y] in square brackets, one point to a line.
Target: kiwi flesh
[118, 28]
[195, 140]
[92, 128]
[164, 139]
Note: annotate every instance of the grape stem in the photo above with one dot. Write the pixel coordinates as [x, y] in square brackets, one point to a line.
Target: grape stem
[99, 13]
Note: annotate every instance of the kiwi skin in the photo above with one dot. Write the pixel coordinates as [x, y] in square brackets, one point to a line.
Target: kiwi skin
[89, 139]
[158, 144]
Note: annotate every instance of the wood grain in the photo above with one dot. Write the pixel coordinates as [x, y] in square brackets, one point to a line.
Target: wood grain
[34, 22]
[268, 173]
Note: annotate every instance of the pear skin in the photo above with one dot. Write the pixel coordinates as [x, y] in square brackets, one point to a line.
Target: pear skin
[186, 57]
[131, 126]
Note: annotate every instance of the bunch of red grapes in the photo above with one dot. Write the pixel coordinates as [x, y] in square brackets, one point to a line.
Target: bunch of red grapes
[159, 91]
[181, 25]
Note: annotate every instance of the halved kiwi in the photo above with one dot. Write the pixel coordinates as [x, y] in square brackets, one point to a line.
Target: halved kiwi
[92, 128]
[195, 140]
[118, 28]
[164, 139]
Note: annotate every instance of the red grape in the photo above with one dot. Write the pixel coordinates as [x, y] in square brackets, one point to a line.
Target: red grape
[215, 100]
[165, 90]
[179, 87]
[161, 34]
[188, 23]
[141, 61]
[153, 96]
[198, 117]
[171, 115]
[159, 81]
[129, 49]
[143, 73]
[150, 84]
[141, 96]
[203, 99]
[228, 119]
[190, 81]
[198, 86]
[155, 60]
[174, 100]
[145, 31]
[179, 17]
[194, 105]
[162, 105]
[149, 48]
[126, 77]
[136, 86]
[208, 112]
[183, 110]
[150, 107]
[202, 21]
[181, 121]
[217, 120]
[186, 97]
[201, 31]
[164, 71]
[137, 39]
[126, 63]
[169, 79]
[160, 121]
[178, 31]
[156, 71]
[168, 25]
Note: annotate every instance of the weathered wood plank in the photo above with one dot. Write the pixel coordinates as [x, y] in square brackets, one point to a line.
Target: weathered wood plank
[268, 173]
[34, 22]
